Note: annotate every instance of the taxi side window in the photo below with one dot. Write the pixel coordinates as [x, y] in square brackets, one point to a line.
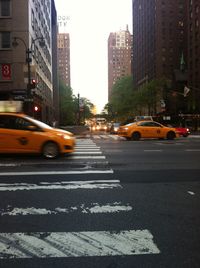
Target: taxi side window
[4, 121]
[21, 123]
[144, 124]
[153, 124]
[149, 124]
[13, 122]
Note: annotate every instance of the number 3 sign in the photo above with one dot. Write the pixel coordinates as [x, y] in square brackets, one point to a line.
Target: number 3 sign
[6, 71]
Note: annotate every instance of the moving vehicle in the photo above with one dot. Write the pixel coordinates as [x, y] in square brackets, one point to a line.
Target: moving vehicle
[183, 131]
[147, 129]
[114, 128]
[20, 133]
[99, 127]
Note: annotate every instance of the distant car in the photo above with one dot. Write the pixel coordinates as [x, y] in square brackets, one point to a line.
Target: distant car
[147, 129]
[99, 127]
[114, 128]
[20, 133]
[182, 131]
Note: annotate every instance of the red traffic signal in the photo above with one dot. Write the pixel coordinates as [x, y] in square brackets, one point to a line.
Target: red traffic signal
[36, 108]
[33, 83]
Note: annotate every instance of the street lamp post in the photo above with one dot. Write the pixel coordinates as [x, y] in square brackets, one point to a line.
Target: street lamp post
[29, 52]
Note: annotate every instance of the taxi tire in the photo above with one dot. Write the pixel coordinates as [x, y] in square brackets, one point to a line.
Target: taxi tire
[171, 135]
[135, 136]
[50, 150]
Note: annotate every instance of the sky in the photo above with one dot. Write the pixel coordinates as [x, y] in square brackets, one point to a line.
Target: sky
[89, 23]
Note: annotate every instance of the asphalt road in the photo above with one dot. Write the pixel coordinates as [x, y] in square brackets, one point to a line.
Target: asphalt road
[112, 204]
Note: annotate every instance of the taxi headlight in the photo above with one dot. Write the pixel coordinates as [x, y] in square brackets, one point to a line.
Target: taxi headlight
[64, 136]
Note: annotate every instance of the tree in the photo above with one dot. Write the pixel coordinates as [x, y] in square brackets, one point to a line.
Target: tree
[126, 101]
[67, 105]
[121, 101]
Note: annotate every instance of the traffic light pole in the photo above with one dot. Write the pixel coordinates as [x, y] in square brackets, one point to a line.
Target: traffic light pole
[29, 51]
[29, 92]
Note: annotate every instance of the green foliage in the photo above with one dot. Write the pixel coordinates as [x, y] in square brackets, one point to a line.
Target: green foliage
[127, 101]
[70, 112]
[67, 105]
[121, 98]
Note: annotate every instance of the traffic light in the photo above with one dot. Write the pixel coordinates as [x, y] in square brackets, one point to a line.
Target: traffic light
[36, 108]
[33, 83]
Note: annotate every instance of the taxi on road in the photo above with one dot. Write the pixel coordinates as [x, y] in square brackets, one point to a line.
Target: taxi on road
[20, 133]
[147, 129]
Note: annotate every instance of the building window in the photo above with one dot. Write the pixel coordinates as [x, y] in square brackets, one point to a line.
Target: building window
[4, 40]
[4, 8]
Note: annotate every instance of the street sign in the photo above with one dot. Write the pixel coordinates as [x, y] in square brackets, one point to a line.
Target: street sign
[6, 71]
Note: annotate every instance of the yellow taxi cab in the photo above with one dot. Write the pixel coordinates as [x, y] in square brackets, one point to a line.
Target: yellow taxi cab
[147, 129]
[20, 133]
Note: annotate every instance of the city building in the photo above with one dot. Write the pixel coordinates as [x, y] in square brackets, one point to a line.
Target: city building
[159, 44]
[119, 57]
[193, 18]
[27, 40]
[64, 57]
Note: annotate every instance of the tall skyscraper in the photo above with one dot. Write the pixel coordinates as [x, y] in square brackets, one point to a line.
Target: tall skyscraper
[119, 57]
[159, 38]
[193, 16]
[166, 44]
[64, 57]
[26, 49]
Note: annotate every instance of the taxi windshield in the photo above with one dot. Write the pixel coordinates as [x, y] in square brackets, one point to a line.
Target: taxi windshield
[38, 123]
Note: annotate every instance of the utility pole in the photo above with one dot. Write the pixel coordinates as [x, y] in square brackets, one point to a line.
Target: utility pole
[78, 114]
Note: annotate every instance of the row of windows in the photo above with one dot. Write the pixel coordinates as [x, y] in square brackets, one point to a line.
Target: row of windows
[5, 8]
[5, 40]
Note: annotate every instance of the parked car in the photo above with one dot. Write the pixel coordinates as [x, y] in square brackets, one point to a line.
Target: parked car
[20, 133]
[147, 129]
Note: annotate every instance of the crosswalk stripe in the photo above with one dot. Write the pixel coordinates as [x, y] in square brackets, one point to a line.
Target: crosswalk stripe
[93, 208]
[95, 171]
[87, 152]
[87, 157]
[76, 244]
[63, 185]
[86, 147]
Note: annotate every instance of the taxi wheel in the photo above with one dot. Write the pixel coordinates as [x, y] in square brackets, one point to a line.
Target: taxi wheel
[136, 136]
[171, 135]
[50, 150]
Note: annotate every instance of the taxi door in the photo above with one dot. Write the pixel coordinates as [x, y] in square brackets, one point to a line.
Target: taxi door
[156, 131]
[18, 138]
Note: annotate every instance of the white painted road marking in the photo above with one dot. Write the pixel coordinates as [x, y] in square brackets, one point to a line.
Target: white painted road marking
[86, 149]
[106, 171]
[64, 185]
[192, 150]
[191, 193]
[76, 244]
[87, 157]
[153, 150]
[94, 208]
[87, 152]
